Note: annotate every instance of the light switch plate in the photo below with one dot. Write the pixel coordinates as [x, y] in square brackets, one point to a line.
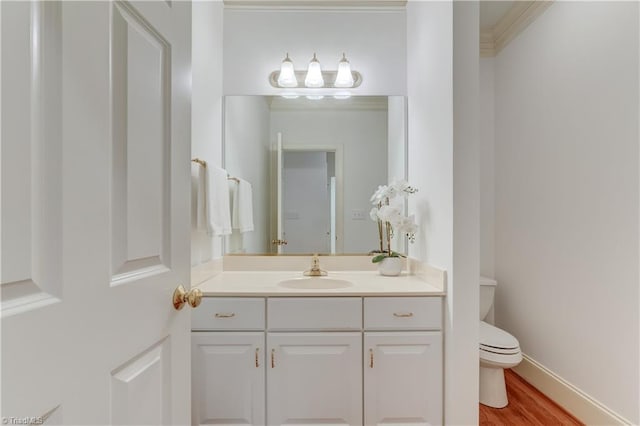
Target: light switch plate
[358, 215]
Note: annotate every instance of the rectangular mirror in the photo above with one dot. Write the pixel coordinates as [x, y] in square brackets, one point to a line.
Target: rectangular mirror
[313, 166]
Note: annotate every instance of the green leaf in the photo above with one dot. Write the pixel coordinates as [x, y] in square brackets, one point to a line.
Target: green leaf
[378, 258]
[396, 254]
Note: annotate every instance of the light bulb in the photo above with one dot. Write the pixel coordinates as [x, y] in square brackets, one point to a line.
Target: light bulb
[314, 74]
[344, 78]
[287, 76]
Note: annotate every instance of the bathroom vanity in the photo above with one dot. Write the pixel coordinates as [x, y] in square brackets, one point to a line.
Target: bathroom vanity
[265, 351]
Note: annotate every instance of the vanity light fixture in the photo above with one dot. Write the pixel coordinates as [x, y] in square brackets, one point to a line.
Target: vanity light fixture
[287, 76]
[314, 74]
[316, 82]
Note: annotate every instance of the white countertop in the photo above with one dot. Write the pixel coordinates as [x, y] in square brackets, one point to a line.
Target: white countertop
[365, 283]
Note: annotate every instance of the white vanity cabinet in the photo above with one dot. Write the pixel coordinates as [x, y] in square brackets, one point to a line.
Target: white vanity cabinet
[322, 360]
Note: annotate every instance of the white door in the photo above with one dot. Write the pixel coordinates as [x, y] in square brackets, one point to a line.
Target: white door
[306, 201]
[314, 379]
[95, 219]
[402, 378]
[228, 378]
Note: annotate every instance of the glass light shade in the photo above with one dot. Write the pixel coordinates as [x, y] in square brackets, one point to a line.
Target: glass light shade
[315, 97]
[287, 76]
[314, 74]
[344, 78]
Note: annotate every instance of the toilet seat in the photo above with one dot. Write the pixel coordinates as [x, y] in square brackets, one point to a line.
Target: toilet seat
[493, 339]
[498, 348]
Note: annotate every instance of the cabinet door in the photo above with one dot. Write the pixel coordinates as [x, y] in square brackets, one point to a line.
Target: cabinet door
[403, 378]
[228, 378]
[314, 378]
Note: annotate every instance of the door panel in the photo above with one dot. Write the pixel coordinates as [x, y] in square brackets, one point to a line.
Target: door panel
[95, 192]
[314, 378]
[31, 154]
[141, 123]
[228, 378]
[142, 385]
[403, 378]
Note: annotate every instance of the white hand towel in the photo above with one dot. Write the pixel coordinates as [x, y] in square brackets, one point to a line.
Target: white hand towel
[202, 221]
[243, 207]
[218, 209]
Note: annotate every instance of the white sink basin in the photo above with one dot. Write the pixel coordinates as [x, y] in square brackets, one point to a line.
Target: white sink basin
[315, 283]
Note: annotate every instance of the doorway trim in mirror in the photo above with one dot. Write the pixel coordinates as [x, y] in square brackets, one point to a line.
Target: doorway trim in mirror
[276, 216]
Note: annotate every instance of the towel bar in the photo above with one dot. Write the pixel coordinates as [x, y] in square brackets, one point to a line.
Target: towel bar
[199, 161]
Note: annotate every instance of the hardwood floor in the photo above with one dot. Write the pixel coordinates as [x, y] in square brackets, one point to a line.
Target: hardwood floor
[527, 406]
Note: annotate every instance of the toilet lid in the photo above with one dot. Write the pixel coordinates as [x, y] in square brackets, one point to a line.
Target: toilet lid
[493, 338]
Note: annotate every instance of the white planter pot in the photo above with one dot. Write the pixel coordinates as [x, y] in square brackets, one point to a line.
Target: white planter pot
[390, 266]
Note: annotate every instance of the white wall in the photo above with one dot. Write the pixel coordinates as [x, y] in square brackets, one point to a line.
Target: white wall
[255, 43]
[206, 109]
[363, 137]
[442, 86]
[487, 182]
[566, 197]
[247, 156]
[463, 296]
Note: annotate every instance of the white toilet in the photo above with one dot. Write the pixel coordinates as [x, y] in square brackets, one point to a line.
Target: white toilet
[498, 350]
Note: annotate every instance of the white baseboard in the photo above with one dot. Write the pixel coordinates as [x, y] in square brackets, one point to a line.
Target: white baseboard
[572, 399]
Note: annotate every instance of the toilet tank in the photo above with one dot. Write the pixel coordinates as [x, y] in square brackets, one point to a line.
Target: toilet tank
[487, 291]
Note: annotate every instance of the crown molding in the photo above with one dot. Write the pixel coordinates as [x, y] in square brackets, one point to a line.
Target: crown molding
[315, 4]
[519, 17]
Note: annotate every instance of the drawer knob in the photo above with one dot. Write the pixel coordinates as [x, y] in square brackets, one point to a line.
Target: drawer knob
[403, 314]
[225, 315]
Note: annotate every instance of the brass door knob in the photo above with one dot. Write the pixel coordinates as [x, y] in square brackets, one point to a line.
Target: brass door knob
[181, 297]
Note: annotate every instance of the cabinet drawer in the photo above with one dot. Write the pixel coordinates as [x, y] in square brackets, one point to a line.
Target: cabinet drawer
[228, 313]
[311, 313]
[402, 313]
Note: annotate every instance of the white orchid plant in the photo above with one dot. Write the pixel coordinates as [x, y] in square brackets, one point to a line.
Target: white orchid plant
[388, 202]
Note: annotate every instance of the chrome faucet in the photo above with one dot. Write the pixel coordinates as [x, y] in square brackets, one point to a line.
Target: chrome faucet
[315, 270]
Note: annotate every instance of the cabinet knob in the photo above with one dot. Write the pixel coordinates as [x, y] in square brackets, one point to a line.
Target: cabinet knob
[403, 314]
[370, 358]
[273, 358]
[257, 357]
[181, 297]
[225, 314]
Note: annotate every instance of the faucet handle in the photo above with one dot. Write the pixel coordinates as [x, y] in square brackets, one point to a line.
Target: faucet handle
[315, 270]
